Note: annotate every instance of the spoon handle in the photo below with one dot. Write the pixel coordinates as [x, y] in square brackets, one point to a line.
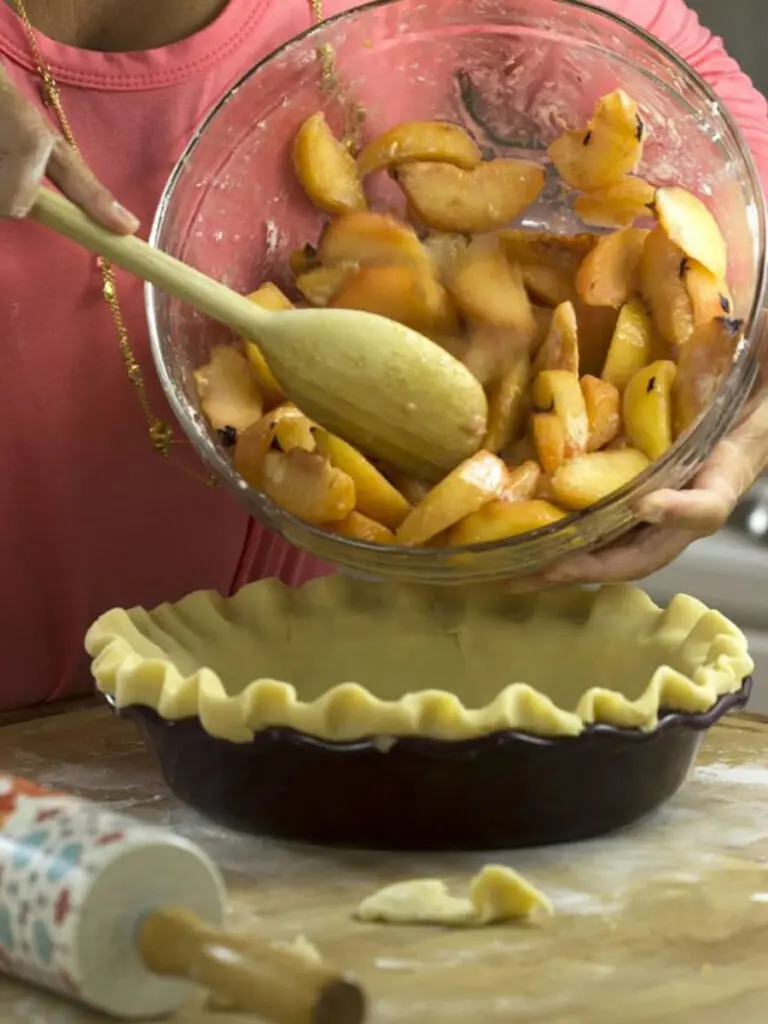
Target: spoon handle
[150, 264]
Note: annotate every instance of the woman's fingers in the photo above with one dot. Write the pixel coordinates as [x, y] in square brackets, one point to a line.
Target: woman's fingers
[21, 172]
[701, 510]
[726, 476]
[30, 150]
[649, 550]
[26, 144]
[676, 518]
[80, 184]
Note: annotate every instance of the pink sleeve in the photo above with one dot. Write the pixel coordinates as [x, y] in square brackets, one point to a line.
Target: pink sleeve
[679, 27]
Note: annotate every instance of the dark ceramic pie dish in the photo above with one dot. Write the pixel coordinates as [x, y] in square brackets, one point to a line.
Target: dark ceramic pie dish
[375, 715]
[500, 791]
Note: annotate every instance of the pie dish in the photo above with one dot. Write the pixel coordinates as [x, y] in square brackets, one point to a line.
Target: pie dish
[422, 717]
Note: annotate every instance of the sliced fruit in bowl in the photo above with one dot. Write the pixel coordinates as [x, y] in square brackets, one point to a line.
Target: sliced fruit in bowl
[446, 198]
[595, 351]
[606, 149]
[616, 206]
[326, 169]
[419, 142]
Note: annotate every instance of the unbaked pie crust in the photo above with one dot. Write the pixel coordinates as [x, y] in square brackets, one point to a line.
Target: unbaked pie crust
[340, 660]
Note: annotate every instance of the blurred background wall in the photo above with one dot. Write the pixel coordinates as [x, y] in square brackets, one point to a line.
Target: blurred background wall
[743, 24]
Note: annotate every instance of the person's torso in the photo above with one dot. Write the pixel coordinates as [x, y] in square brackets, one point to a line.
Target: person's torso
[91, 517]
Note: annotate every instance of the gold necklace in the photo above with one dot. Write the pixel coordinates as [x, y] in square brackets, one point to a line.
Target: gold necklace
[161, 433]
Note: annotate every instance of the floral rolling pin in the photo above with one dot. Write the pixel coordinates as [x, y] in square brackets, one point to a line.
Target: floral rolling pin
[126, 918]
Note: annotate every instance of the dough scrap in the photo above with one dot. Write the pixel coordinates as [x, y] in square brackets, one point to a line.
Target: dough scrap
[496, 894]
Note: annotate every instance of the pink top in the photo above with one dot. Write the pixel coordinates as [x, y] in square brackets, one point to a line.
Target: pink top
[79, 530]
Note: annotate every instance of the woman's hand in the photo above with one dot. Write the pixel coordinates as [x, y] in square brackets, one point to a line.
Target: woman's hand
[674, 519]
[30, 150]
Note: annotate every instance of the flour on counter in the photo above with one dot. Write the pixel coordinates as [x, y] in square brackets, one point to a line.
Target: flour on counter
[677, 845]
[734, 775]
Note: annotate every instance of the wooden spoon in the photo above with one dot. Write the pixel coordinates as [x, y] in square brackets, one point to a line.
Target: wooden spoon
[378, 384]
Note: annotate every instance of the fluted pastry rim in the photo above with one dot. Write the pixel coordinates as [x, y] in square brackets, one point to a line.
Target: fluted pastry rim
[135, 670]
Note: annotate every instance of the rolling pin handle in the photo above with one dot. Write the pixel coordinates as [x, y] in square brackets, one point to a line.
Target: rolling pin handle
[248, 972]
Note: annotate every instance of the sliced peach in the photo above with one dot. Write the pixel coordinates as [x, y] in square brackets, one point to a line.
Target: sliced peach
[412, 489]
[446, 249]
[662, 284]
[549, 285]
[647, 408]
[630, 347]
[548, 262]
[508, 405]
[356, 526]
[499, 519]
[691, 226]
[414, 141]
[251, 448]
[268, 296]
[559, 391]
[409, 296]
[455, 344]
[486, 287]
[326, 170]
[523, 481]
[709, 295]
[542, 318]
[561, 349]
[271, 392]
[376, 498]
[590, 478]
[229, 396]
[491, 351]
[371, 240]
[659, 348]
[616, 206]
[549, 439]
[320, 284]
[597, 325]
[293, 429]
[467, 488]
[609, 147]
[603, 403]
[618, 444]
[307, 485]
[609, 275]
[285, 426]
[704, 362]
[489, 196]
[565, 251]
[544, 491]
[486, 353]
[519, 452]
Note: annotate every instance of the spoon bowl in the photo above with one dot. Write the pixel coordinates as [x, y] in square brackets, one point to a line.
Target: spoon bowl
[384, 387]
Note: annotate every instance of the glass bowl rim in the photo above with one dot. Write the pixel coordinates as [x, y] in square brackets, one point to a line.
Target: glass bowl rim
[224, 470]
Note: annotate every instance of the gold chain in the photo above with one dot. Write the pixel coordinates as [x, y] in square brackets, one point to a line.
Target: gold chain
[161, 433]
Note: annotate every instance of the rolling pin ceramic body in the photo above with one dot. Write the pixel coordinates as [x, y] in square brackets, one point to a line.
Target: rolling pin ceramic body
[75, 883]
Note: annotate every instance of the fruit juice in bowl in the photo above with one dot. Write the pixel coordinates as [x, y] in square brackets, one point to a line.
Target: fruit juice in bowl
[542, 189]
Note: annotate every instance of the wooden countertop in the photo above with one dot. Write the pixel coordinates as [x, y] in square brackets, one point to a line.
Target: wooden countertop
[666, 922]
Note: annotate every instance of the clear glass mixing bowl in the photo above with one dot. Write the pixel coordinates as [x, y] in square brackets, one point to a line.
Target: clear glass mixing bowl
[513, 71]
